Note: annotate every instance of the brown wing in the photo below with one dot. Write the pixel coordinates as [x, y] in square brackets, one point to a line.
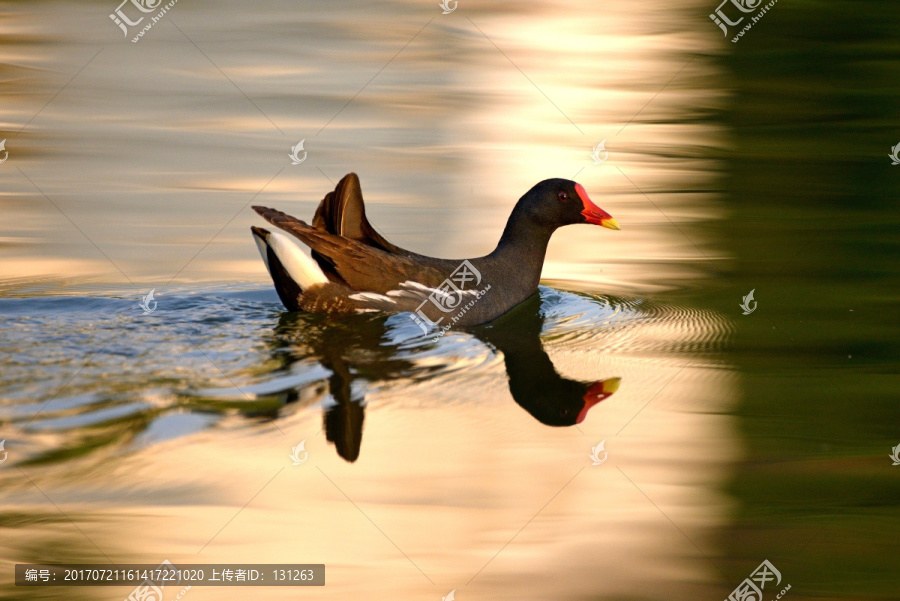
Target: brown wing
[360, 266]
[343, 213]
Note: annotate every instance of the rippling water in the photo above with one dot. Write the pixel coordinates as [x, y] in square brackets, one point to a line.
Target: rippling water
[167, 420]
[134, 437]
[205, 356]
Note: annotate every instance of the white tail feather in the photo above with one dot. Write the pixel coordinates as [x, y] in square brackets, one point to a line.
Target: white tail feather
[301, 267]
[261, 245]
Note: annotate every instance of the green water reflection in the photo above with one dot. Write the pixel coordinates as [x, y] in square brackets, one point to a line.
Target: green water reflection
[813, 225]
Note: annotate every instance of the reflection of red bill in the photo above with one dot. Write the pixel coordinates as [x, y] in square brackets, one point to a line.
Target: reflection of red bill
[597, 392]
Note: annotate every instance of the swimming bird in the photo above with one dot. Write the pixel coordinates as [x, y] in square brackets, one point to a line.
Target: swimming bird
[353, 268]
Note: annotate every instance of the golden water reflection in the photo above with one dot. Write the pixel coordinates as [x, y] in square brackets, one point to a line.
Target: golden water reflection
[150, 151]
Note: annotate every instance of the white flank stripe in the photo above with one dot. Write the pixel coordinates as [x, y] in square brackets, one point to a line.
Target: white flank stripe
[364, 296]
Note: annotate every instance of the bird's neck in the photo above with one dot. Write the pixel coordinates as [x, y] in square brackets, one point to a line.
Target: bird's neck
[522, 248]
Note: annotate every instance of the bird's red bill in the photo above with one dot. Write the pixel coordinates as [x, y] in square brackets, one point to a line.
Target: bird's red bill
[597, 392]
[592, 213]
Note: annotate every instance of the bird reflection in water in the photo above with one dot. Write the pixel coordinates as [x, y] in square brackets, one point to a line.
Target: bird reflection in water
[533, 380]
[354, 349]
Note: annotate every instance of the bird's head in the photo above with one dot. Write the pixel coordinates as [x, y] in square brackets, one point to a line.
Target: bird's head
[557, 202]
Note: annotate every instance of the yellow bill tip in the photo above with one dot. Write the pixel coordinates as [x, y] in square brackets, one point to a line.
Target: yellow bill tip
[610, 223]
[611, 385]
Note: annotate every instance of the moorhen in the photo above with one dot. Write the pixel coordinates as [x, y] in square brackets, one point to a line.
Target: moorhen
[354, 269]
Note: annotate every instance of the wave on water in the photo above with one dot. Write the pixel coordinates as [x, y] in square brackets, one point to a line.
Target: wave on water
[99, 371]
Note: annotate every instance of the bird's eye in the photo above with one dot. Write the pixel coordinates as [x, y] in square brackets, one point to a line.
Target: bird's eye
[563, 197]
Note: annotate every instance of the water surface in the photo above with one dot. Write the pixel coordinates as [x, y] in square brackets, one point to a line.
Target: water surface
[136, 437]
